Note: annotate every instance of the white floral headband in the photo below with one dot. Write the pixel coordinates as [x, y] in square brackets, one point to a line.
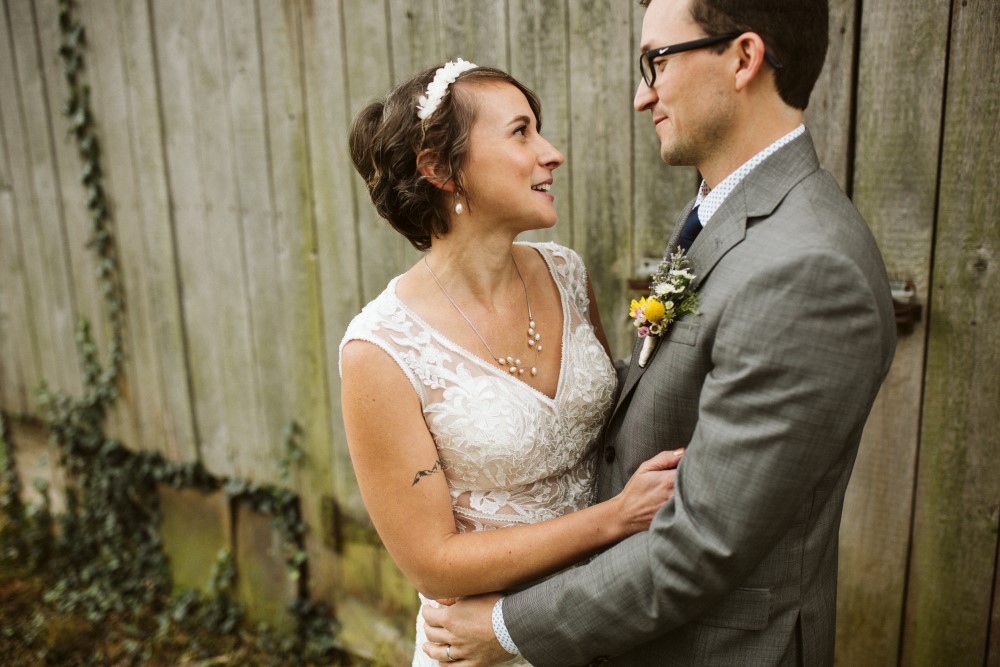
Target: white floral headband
[438, 88]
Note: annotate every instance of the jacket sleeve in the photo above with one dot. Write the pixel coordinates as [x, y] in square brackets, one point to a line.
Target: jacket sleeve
[797, 358]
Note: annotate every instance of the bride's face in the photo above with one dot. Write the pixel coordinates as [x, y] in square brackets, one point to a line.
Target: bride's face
[508, 170]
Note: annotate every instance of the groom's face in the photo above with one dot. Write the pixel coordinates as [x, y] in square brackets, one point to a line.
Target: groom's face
[688, 101]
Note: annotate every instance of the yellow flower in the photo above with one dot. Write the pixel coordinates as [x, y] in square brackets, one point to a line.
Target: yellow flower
[654, 311]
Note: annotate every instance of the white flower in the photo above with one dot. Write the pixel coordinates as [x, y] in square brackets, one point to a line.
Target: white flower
[445, 75]
[664, 289]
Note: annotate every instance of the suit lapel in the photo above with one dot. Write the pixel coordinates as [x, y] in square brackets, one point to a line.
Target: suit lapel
[634, 373]
[727, 228]
[757, 196]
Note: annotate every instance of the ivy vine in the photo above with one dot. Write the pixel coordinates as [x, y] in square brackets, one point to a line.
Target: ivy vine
[105, 546]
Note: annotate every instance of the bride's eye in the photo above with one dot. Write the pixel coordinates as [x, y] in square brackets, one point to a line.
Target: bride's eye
[522, 130]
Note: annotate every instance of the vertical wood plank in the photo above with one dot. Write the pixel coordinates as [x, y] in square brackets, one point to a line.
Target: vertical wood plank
[413, 34]
[83, 263]
[475, 30]
[268, 322]
[539, 58]
[333, 205]
[159, 376]
[103, 76]
[301, 376]
[34, 181]
[200, 166]
[600, 117]
[829, 114]
[64, 160]
[957, 499]
[12, 336]
[17, 358]
[993, 645]
[384, 252]
[895, 173]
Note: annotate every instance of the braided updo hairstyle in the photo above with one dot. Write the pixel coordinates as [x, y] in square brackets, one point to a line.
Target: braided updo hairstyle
[387, 136]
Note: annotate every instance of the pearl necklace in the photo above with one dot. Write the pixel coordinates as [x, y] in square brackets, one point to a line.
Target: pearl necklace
[511, 364]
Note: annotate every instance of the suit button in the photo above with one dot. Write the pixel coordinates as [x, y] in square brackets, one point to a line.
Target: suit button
[609, 454]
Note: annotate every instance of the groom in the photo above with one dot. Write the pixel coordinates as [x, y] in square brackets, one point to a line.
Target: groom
[768, 387]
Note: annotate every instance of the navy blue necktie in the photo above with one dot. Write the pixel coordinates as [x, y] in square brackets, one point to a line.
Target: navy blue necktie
[689, 232]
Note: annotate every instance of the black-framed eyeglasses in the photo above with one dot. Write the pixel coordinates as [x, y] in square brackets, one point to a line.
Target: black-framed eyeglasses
[648, 69]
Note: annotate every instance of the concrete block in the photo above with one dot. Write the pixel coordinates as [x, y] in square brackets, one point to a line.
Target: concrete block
[324, 571]
[195, 526]
[360, 570]
[35, 458]
[368, 633]
[397, 595]
[262, 582]
[375, 605]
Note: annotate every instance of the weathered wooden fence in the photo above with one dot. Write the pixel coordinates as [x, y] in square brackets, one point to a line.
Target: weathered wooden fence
[247, 243]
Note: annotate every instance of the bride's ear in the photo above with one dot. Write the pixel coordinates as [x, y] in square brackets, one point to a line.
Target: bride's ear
[436, 173]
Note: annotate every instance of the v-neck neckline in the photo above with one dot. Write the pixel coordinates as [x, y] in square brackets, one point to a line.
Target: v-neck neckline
[493, 367]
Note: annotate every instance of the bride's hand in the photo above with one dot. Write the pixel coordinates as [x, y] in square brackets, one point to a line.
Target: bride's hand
[647, 490]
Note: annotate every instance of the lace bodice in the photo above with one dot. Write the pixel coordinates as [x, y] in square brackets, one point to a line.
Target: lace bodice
[510, 453]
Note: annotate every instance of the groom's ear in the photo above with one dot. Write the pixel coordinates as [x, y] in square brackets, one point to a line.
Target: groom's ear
[436, 173]
[749, 59]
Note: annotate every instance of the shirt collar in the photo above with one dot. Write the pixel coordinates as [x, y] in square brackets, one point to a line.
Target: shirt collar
[709, 200]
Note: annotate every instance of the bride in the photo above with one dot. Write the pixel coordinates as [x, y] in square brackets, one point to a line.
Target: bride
[475, 387]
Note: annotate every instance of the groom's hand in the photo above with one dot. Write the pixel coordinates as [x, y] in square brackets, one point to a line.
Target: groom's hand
[467, 627]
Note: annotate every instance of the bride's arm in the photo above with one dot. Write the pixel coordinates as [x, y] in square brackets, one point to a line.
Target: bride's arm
[407, 497]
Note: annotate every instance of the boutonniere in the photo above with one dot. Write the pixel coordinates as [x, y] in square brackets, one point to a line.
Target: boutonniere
[670, 297]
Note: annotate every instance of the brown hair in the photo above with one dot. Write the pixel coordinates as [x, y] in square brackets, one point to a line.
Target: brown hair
[795, 32]
[387, 136]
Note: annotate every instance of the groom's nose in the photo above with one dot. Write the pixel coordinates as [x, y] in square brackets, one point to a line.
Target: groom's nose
[645, 97]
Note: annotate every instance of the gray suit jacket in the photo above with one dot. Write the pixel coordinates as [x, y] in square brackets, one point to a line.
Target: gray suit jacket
[769, 388]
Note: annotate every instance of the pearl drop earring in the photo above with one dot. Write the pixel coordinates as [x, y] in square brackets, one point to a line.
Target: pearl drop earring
[458, 206]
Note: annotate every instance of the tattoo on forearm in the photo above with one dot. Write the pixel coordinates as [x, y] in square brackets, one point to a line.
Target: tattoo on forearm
[424, 473]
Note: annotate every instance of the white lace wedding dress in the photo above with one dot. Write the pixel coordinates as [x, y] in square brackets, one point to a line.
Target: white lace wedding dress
[511, 454]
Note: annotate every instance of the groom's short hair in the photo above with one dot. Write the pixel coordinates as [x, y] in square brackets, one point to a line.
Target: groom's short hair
[795, 32]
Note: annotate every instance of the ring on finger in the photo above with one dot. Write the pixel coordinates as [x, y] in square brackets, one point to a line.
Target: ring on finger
[447, 652]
